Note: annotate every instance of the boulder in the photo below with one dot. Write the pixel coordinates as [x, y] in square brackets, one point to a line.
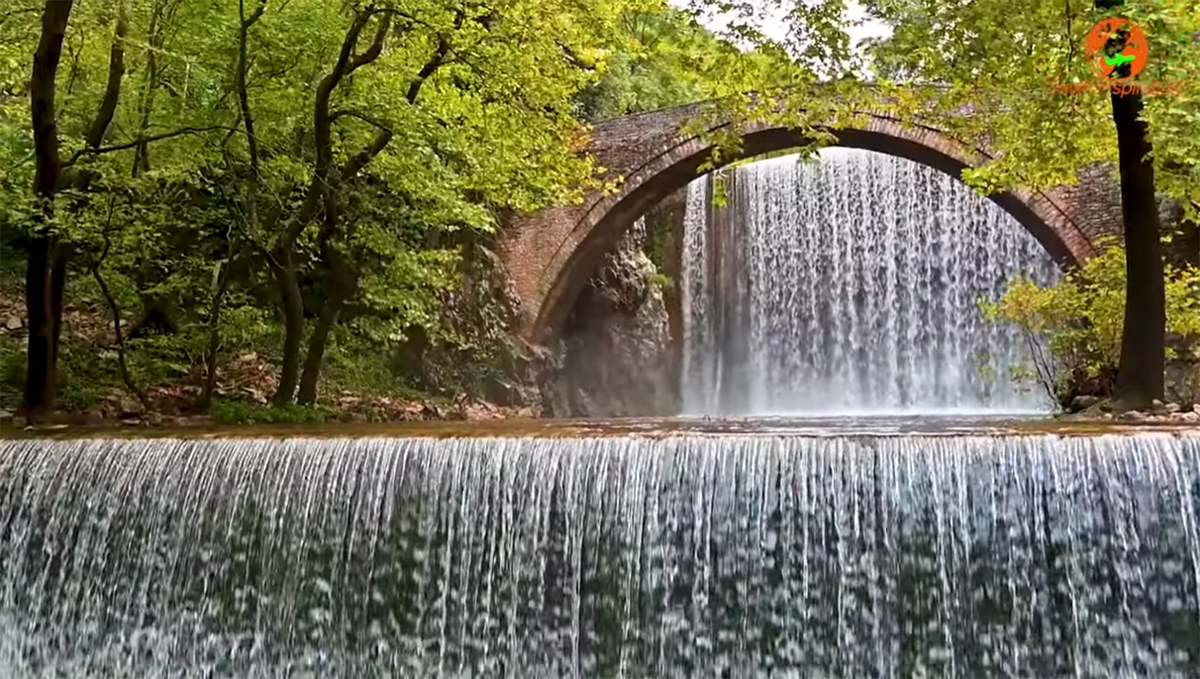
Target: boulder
[1083, 402]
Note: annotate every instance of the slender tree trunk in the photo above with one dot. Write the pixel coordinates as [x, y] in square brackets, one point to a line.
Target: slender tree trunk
[324, 182]
[315, 357]
[39, 374]
[1143, 337]
[160, 16]
[126, 376]
[343, 278]
[288, 282]
[214, 337]
[45, 274]
[1143, 349]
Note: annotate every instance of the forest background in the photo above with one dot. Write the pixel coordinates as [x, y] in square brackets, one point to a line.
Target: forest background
[291, 210]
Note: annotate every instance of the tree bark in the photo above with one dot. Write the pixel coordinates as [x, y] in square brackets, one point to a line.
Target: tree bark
[116, 72]
[343, 278]
[126, 376]
[224, 279]
[1143, 338]
[288, 282]
[315, 357]
[43, 280]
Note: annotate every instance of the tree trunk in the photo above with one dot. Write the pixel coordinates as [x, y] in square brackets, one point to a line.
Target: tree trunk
[161, 16]
[214, 336]
[315, 357]
[324, 183]
[1140, 373]
[40, 369]
[45, 274]
[58, 285]
[343, 279]
[1143, 337]
[126, 376]
[293, 327]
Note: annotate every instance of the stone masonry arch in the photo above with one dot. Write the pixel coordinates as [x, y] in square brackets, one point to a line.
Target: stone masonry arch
[551, 253]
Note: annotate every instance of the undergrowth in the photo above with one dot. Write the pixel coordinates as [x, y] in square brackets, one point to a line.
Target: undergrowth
[244, 412]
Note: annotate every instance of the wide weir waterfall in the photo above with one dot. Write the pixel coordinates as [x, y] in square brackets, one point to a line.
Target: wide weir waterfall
[672, 554]
[850, 284]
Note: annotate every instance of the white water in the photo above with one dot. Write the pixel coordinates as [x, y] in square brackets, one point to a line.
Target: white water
[850, 285]
[672, 556]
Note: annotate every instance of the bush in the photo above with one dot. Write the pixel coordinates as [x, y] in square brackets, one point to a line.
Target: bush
[12, 373]
[663, 282]
[242, 412]
[1073, 328]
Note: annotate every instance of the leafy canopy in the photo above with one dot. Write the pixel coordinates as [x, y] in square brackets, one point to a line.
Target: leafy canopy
[1015, 66]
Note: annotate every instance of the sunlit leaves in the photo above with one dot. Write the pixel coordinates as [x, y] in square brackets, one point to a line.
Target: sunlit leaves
[1012, 63]
[1078, 321]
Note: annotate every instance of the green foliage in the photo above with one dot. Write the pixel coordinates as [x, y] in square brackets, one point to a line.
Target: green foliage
[242, 412]
[174, 210]
[663, 282]
[12, 373]
[662, 58]
[941, 57]
[1073, 328]
[720, 189]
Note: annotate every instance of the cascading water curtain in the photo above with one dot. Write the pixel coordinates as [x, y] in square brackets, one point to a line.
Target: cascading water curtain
[749, 557]
[850, 284]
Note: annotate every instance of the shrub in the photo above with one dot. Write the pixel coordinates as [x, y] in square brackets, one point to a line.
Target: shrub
[663, 282]
[1073, 328]
[243, 412]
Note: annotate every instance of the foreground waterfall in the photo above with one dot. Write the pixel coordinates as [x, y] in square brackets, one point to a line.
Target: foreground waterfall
[739, 556]
[849, 285]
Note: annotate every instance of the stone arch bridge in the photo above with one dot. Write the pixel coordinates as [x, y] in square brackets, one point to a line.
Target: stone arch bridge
[550, 254]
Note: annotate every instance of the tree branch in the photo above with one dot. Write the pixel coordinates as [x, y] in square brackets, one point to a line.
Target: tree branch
[435, 61]
[372, 53]
[361, 116]
[244, 106]
[359, 160]
[573, 57]
[140, 393]
[116, 71]
[323, 121]
[295, 224]
[89, 151]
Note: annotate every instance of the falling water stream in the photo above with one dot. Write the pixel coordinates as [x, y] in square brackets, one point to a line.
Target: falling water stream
[669, 555]
[850, 284]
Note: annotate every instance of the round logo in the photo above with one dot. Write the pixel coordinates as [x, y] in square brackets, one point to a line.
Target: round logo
[1115, 59]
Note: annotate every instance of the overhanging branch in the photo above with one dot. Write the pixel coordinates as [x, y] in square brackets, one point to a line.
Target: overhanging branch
[89, 151]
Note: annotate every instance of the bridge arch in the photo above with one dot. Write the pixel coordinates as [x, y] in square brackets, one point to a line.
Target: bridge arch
[552, 253]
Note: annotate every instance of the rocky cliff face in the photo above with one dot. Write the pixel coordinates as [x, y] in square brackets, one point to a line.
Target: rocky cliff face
[614, 357]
